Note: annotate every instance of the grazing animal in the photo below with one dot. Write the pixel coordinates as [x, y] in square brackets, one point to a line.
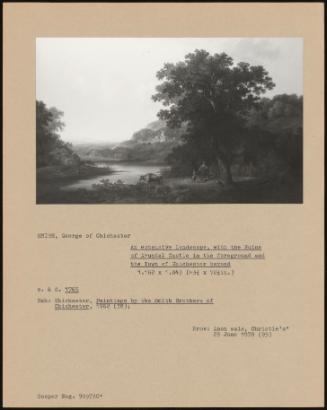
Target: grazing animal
[150, 178]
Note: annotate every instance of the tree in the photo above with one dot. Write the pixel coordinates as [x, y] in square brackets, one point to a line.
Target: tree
[50, 149]
[277, 124]
[213, 96]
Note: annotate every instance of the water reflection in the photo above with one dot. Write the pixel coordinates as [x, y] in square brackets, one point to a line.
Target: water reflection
[128, 173]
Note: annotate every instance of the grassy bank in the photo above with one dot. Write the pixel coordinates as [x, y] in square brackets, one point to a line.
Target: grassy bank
[61, 173]
[176, 190]
[51, 179]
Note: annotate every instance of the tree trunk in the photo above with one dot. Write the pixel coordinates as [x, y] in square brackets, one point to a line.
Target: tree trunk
[227, 171]
[229, 177]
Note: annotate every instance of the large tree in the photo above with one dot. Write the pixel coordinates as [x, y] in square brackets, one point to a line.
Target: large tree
[50, 149]
[213, 96]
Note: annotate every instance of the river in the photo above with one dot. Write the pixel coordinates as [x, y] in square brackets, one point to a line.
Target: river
[127, 173]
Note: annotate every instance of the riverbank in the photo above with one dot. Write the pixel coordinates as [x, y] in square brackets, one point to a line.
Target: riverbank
[68, 173]
[50, 180]
[177, 191]
[128, 173]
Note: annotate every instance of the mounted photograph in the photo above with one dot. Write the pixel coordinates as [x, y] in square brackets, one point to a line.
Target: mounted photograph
[169, 120]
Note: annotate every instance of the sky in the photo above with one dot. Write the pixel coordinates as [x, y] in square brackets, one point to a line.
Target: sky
[104, 85]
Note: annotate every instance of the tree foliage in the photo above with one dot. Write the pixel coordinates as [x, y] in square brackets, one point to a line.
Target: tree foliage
[276, 124]
[50, 149]
[213, 96]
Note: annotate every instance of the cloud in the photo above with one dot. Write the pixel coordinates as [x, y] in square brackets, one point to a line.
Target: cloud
[257, 49]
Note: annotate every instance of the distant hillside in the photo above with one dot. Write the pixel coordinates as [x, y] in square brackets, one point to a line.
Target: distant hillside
[90, 151]
[151, 144]
[156, 125]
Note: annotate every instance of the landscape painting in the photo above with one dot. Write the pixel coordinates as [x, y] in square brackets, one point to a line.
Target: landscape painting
[169, 120]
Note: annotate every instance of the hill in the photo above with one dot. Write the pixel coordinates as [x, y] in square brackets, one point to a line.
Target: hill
[151, 144]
